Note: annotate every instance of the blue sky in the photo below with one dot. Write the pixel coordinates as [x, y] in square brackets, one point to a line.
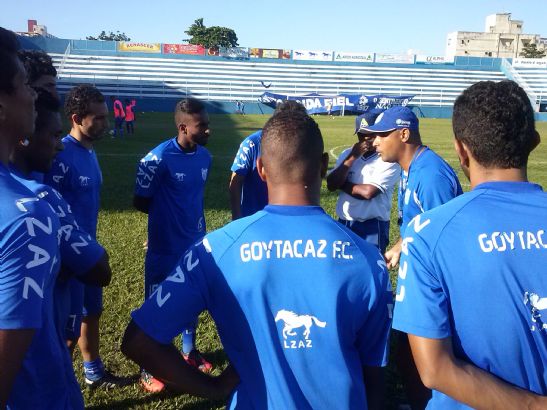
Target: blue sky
[381, 26]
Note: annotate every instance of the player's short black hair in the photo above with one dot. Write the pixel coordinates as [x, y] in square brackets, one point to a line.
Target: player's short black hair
[79, 99]
[45, 104]
[37, 63]
[496, 122]
[290, 105]
[187, 106]
[8, 60]
[292, 147]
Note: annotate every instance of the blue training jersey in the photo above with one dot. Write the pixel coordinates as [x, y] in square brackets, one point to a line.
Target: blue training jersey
[79, 251]
[301, 304]
[77, 176]
[29, 263]
[475, 270]
[174, 180]
[430, 182]
[254, 193]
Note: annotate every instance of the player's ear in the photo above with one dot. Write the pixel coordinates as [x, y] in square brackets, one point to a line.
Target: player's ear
[324, 164]
[463, 155]
[76, 119]
[405, 135]
[260, 169]
[536, 141]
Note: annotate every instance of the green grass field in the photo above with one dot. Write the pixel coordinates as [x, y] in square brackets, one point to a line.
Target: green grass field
[122, 230]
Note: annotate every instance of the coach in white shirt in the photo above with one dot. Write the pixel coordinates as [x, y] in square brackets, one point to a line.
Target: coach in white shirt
[366, 186]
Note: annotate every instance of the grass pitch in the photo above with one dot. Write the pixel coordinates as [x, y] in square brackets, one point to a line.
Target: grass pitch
[122, 230]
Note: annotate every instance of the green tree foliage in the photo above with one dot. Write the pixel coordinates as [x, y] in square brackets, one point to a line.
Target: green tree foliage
[211, 37]
[111, 36]
[531, 51]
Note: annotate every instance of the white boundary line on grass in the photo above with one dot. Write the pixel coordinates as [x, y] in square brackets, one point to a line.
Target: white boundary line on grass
[331, 152]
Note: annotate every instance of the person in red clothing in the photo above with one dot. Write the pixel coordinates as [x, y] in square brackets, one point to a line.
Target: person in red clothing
[129, 116]
[119, 115]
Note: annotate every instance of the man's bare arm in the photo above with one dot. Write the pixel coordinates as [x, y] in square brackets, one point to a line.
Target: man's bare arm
[361, 191]
[234, 189]
[13, 347]
[166, 363]
[440, 370]
[338, 176]
[393, 255]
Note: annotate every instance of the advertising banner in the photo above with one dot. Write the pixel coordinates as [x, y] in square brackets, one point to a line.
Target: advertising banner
[530, 62]
[183, 49]
[239, 53]
[425, 59]
[313, 55]
[139, 47]
[274, 53]
[394, 58]
[358, 103]
[354, 57]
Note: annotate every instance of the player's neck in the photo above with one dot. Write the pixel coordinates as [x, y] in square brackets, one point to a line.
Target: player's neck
[81, 138]
[20, 164]
[480, 175]
[185, 144]
[294, 194]
[408, 155]
[5, 150]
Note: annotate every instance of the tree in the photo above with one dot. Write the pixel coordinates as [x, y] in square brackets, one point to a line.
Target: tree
[111, 36]
[530, 50]
[211, 37]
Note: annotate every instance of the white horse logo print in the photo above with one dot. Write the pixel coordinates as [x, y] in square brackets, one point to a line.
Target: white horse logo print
[293, 321]
[537, 303]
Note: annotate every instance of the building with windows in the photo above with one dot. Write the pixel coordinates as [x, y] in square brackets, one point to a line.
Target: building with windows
[502, 38]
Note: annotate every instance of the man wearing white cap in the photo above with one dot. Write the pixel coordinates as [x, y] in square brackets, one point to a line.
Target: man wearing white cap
[366, 184]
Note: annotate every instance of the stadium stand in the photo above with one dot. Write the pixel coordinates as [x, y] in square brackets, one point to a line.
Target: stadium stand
[158, 78]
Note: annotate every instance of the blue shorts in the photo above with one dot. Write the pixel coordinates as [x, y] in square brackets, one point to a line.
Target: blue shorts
[118, 121]
[373, 231]
[85, 300]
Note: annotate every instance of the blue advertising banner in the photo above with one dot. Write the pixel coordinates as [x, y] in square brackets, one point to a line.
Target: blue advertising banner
[358, 103]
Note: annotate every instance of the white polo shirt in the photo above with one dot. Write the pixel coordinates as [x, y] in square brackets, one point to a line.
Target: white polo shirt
[370, 170]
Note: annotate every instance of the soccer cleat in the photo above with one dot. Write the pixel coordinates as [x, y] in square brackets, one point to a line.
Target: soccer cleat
[108, 381]
[195, 359]
[150, 383]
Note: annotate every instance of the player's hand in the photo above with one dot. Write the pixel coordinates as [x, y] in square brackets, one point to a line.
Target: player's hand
[393, 255]
[359, 148]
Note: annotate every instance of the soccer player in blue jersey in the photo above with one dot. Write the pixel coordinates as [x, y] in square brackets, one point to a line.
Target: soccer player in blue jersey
[81, 255]
[427, 181]
[248, 193]
[33, 372]
[40, 70]
[366, 185]
[473, 279]
[76, 175]
[170, 189]
[301, 303]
